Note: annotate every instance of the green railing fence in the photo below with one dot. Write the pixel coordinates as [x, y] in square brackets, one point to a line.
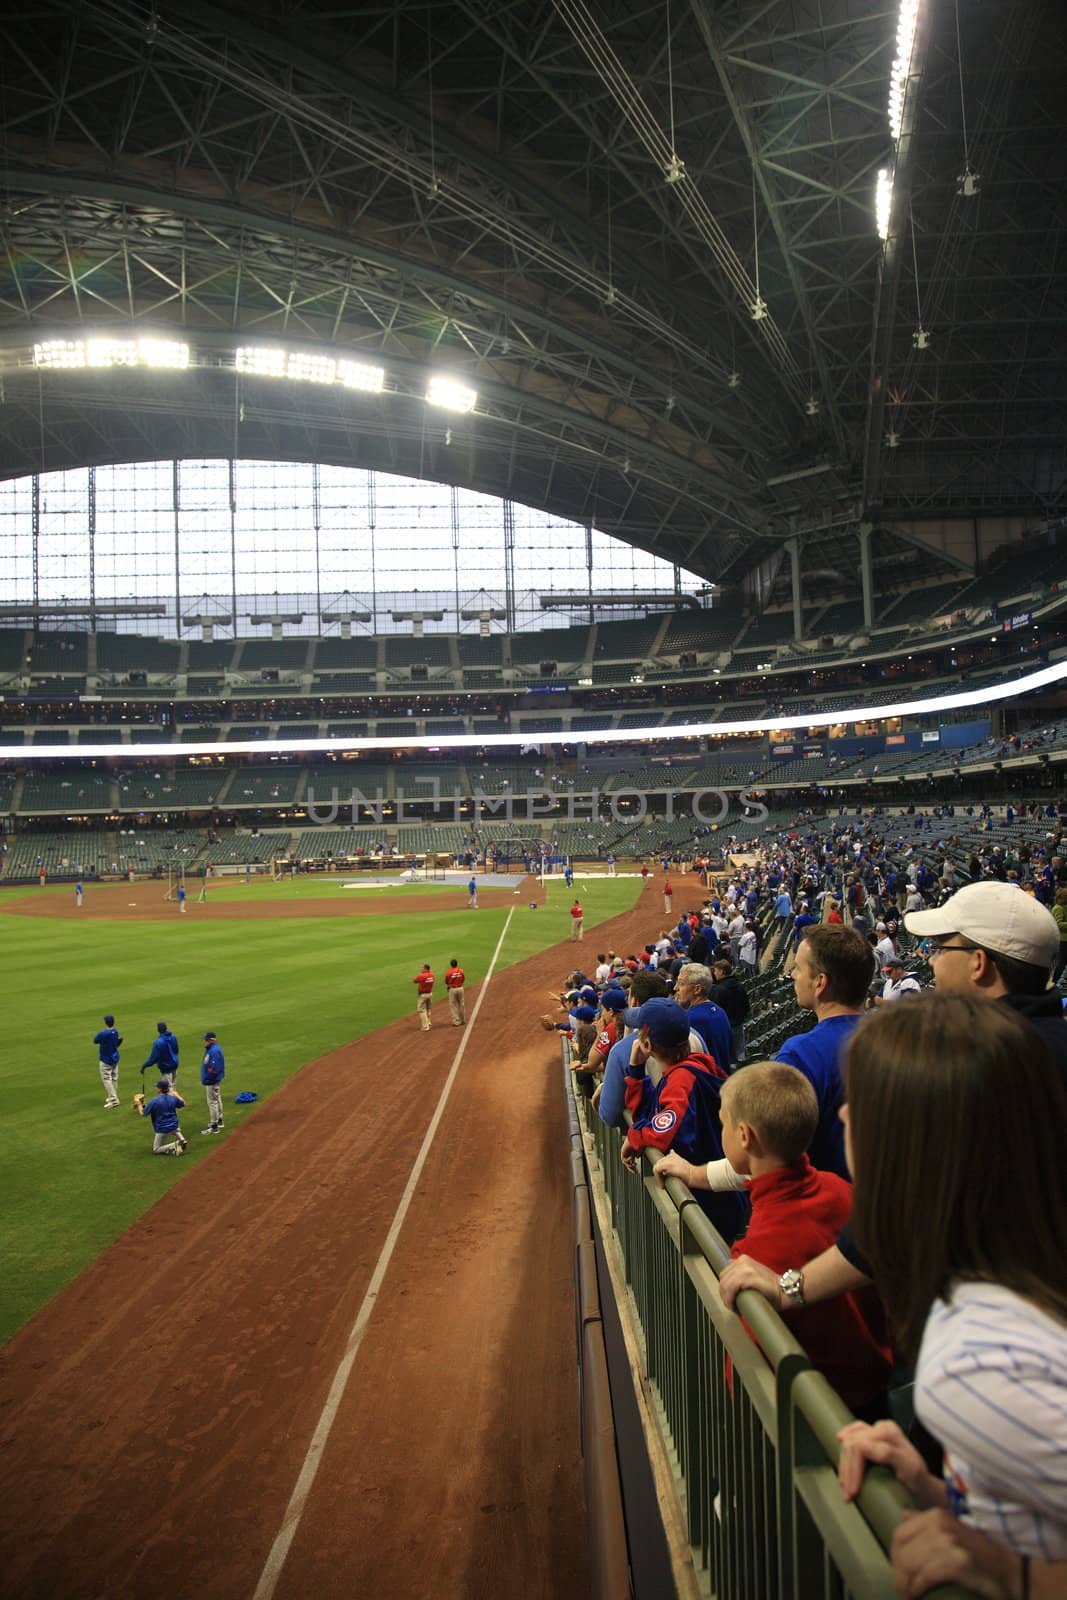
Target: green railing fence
[755, 1447]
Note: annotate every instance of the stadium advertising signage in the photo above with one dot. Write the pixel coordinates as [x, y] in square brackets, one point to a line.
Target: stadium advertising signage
[782, 750]
[895, 738]
[1022, 619]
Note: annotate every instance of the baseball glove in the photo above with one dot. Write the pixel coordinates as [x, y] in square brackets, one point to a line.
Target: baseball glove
[138, 1103]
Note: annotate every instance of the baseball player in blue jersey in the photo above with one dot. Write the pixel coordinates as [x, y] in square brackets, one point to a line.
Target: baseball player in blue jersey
[472, 894]
[681, 1111]
[163, 1108]
[212, 1072]
[163, 1055]
[108, 1041]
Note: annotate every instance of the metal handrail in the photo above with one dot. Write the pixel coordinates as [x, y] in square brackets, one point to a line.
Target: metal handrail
[751, 1425]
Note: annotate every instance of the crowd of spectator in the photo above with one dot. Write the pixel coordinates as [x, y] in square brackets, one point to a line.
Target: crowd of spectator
[892, 1181]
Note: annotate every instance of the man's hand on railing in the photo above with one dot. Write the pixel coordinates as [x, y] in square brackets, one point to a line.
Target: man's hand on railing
[932, 1547]
[886, 1445]
[629, 1156]
[594, 1099]
[744, 1273]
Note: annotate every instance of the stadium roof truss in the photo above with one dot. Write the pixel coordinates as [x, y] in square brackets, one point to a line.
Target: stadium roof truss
[576, 210]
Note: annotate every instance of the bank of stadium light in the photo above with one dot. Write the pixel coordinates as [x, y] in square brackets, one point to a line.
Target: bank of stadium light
[361, 375]
[883, 202]
[170, 354]
[305, 367]
[899, 74]
[968, 699]
[260, 361]
[907, 22]
[450, 394]
[59, 354]
[111, 353]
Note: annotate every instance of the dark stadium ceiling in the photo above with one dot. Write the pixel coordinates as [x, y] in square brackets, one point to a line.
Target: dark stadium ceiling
[484, 188]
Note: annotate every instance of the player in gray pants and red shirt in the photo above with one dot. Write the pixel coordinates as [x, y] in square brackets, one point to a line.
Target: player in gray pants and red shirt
[212, 1072]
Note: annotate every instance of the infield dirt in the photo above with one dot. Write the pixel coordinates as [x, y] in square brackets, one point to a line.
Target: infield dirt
[112, 903]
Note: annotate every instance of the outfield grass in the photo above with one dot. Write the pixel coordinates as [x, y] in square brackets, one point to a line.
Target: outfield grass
[280, 992]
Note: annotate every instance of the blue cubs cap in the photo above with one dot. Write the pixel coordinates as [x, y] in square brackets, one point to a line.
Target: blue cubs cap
[588, 993]
[162, 1084]
[161, 1027]
[665, 1020]
[614, 999]
[210, 1035]
[110, 1021]
[584, 1013]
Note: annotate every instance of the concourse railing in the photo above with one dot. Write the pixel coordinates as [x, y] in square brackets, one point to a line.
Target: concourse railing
[750, 1426]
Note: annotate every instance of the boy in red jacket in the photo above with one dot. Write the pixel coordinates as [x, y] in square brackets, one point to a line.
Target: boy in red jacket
[769, 1113]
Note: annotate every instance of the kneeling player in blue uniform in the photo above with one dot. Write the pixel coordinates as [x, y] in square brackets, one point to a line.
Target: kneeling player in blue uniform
[163, 1108]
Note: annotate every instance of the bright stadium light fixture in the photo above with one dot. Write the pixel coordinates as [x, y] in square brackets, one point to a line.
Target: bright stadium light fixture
[1041, 679]
[361, 375]
[111, 353]
[261, 361]
[899, 74]
[450, 394]
[58, 353]
[901, 69]
[172, 353]
[306, 368]
[883, 201]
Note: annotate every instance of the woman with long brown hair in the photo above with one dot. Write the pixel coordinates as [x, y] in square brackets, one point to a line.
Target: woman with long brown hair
[956, 1132]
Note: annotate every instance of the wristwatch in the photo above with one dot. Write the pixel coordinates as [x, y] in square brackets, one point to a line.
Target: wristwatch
[791, 1284]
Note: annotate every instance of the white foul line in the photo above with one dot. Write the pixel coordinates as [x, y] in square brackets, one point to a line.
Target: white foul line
[272, 1569]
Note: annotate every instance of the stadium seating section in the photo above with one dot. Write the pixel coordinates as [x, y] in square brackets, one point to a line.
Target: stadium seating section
[630, 641]
[550, 644]
[280, 655]
[700, 631]
[212, 655]
[479, 650]
[342, 655]
[264, 786]
[63, 855]
[405, 650]
[132, 652]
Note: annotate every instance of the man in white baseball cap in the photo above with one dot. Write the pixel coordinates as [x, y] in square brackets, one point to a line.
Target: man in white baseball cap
[993, 940]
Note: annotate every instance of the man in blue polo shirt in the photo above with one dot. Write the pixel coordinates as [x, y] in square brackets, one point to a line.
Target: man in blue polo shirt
[832, 972]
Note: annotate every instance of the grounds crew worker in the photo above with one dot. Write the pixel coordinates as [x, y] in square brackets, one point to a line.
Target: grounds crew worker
[424, 982]
[454, 981]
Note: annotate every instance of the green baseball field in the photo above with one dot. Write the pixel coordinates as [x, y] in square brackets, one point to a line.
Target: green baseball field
[279, 989]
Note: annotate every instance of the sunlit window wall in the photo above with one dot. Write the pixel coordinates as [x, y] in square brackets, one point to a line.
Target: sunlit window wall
[240, 539]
